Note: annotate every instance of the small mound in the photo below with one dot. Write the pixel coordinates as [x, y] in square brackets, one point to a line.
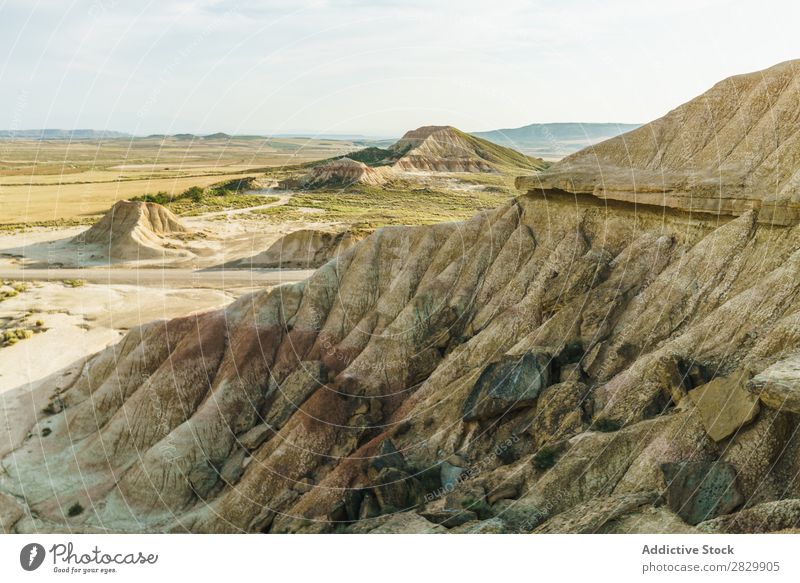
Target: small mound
[133, 230]
[306, 248]
[341, 172]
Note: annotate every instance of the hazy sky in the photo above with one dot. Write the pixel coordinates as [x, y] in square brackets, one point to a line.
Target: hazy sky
[371, 67]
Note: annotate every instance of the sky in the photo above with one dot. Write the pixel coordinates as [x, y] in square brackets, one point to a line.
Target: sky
[376, 68]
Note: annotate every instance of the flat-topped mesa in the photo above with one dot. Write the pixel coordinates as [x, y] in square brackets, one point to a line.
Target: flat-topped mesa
[415, 138]
[733, 149]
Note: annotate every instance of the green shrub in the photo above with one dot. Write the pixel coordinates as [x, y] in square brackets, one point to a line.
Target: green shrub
[545, 458]
[22, 334]
[75, 510]
[607, 425]
[74, 282]
[195, 194]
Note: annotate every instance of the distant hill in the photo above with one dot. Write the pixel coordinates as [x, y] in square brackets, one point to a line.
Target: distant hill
[55, 134]
[445, 149]
[555, 140]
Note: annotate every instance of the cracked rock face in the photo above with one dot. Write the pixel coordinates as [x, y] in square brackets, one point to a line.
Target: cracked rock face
[268, 415]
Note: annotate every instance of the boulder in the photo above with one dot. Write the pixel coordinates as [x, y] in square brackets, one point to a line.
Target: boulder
[724, 405]
[386, 456]
[698, 491]
[570, 373]
[10, 512]
[591, 517]
[491, 526]
[395, 490]
[647, 520]
[509, 384]
[559, 412]
[442, 512]
[766, 517]
[408, 523]
[450, 474]
[778, 386]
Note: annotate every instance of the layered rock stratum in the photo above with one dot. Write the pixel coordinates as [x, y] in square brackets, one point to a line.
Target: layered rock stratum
[133, 230]
[305, 248]
[447, 149]
[731, 150]
[340, 172]
[553, 365]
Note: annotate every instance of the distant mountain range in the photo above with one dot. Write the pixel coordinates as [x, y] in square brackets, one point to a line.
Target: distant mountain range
[555, 140]
[54, 134]
[544, 140]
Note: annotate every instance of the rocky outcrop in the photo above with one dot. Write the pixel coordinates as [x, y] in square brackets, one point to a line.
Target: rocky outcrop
[778, 386]
[446, 149]
[132, 231]
[780, 515]
[339, 173]
[724, 405]
[509, 384]
[554, 364]
[729, 151]
[268, 415]
[698, 491]
[305, 248]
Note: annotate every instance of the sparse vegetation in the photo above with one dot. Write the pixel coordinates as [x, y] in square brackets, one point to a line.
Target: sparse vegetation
[217, 197]
[545, 458]
[606, 425]
[92, 175]
[10, 289]
[74, 282]
[399, 202]
[53, 407]
[11, 337]
[373, 156]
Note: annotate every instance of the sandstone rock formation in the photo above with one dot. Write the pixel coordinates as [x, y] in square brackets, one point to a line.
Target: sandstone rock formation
[446, 149]
[133, 231]
[779, 385]
[304, 249]
[731, 150]
[270, 415]
[426, 149]
[340, 172]
[542, 367]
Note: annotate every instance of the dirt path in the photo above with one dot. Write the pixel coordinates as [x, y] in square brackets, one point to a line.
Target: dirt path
[170, 278]
[283, 198]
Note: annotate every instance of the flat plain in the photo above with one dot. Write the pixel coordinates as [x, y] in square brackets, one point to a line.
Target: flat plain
[51, 182]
